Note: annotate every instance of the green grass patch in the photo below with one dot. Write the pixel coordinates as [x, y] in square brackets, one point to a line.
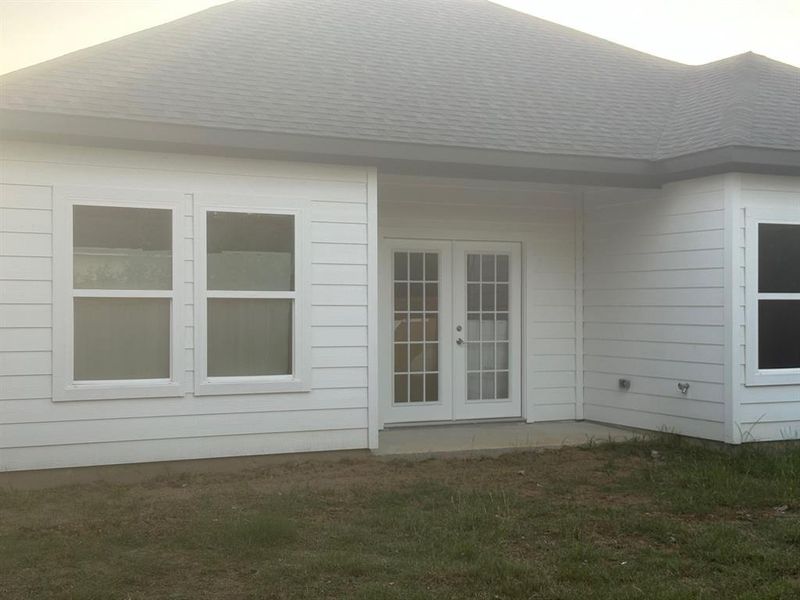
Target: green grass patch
[657, 519]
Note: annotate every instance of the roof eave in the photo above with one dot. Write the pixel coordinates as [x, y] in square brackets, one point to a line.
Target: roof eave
[389, 156]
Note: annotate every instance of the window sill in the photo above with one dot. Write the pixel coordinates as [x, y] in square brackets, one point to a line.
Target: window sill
[105, 390]
[773, 378]
[225, 386]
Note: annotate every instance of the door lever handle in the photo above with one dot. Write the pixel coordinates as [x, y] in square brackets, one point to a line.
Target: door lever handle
[459, 341]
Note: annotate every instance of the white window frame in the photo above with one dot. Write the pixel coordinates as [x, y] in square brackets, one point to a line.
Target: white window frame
[753, 375]
[65, 388]
[300, 379]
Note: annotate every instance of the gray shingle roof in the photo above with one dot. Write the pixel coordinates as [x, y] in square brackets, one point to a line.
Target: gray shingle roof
[464, 73]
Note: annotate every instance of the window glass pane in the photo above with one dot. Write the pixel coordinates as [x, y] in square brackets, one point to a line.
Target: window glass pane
[400, 327]
[431, 296]
[401, 296]
[250, 251]
[249, 337]
[779, 334]
[122, 338]
[778, 258]
[121, 248]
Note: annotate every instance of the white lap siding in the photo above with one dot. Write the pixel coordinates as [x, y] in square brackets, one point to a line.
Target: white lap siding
[654, 307]
[764, 412]
[36, 432]
[542, 219]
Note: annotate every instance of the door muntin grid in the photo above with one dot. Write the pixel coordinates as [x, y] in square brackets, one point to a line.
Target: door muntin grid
[415, 347]
[487, 332]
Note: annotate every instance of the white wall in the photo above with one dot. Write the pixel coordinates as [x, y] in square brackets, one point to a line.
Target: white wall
[37, 433]
[764, 412]
[543, 220]
[654, 307]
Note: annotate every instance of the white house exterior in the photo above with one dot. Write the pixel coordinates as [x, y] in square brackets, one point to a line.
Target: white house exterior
[177, 290]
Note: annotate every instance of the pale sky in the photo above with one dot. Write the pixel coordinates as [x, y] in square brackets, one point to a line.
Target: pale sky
[690, 31]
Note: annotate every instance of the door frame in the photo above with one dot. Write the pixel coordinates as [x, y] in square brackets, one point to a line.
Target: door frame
[464, 409]
[430, 237]
[438, 411]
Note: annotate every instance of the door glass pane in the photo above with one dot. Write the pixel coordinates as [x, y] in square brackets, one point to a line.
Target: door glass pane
[487, 387]
[415, 297]
[121, 338]
[249, 337]
[473, 296]
[473, 356]
[416, 388]
[779, 334]
[431, 387]
[431, 267]
[487, 356]
[501, 326]
[401, 388]
[415, 269]
[473, 267]
[121, 248]
[250, 251]
[416, 322]
[473, 386]
[778, 258]
[400, 266]
[501, 355]
[502, 385]
[487, 267]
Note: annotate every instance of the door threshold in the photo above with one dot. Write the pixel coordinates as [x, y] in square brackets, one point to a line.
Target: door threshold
[452, 422]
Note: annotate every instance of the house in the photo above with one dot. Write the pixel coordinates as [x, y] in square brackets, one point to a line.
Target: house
[282, 226]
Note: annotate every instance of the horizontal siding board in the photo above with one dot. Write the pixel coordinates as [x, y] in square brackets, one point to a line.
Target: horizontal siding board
[183, 448]
[696, 259]
[25, 363]
[25, 315]
[339, 212]
[660, 405]
[339, 274]
[339, 295]
[342, 337]
[700, 391]
[339, 316]
[16, 387]
[642, 420]
[339, 233]
[349, 254]
[642, 332]
[696, 353]
[659, 315]
[334, 356]
[660, 297]
[25, 268]
[25, 220]
[27, 197]
[25, 244]
[25, 340]
[554, 412]
[44, 410]
[675, 370]
[149, 428]
[686, 278]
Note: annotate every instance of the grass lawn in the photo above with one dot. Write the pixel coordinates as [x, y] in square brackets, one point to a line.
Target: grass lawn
[650, 519]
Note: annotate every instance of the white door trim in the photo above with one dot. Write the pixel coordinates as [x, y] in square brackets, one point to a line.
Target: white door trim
[445, 410]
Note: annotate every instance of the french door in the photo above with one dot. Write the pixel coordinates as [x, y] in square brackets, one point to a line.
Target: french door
[452, 345]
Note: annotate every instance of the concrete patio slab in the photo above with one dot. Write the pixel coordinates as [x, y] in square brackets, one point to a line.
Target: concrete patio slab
[493, 438]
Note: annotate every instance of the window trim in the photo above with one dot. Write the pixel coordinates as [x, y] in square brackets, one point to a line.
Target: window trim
[65, 388]
[753, 375]
[300, 379]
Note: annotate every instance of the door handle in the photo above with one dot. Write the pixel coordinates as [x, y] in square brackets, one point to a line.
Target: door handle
[459, 341]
